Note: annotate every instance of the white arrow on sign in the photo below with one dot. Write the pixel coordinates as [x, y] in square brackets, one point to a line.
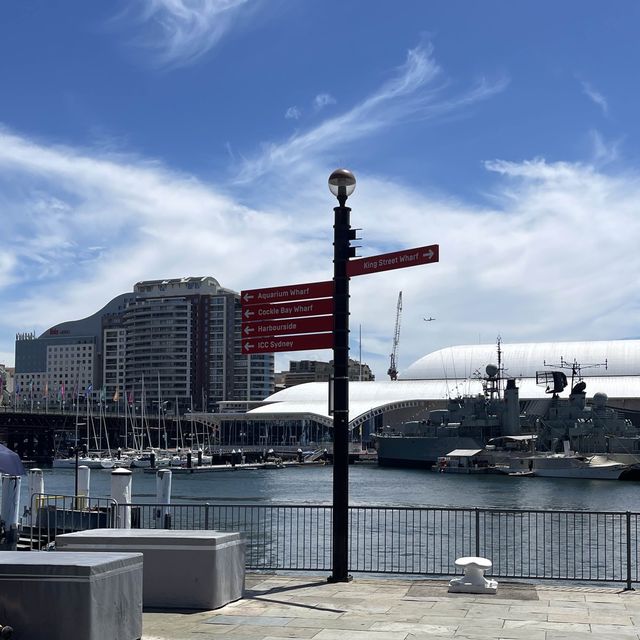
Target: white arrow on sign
[248, 330]
[429, 254]
[248, 314]
[248, 346]
[247, 297]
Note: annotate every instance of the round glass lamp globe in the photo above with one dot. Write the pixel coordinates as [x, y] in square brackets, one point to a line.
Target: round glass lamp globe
[342, 182]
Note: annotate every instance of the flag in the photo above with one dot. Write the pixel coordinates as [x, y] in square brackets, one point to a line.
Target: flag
[89, 390]
[130, 397]
[116, 395]
[46, 389]
[62, 390]
[17, 388]
[103, 394]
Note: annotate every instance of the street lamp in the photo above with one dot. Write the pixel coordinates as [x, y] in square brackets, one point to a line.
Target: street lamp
[342, 184]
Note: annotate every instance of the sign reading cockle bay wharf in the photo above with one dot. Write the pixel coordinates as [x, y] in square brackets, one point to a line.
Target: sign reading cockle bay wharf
[315, 315]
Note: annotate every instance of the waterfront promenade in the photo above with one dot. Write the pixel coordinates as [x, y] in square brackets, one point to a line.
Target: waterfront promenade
[305, 606]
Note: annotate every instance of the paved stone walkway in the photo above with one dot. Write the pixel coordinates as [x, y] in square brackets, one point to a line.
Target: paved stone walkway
[276, 607]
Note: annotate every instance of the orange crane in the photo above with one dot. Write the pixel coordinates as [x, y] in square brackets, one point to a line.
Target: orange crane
[393, 369]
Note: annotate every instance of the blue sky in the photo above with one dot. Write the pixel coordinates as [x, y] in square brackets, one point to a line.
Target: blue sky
[164, 138]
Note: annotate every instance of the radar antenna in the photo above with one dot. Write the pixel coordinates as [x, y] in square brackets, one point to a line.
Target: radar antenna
[576, 368]
[393, 369]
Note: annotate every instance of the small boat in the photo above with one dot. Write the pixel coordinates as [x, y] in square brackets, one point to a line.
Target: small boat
[561, 465]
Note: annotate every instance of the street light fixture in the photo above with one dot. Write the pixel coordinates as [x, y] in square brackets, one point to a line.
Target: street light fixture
[341, 184]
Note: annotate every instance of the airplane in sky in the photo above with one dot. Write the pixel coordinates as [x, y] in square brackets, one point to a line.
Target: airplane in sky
[429, 319]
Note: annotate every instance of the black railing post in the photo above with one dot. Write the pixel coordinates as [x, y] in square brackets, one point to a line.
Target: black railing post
[477, 512]
[629, 587]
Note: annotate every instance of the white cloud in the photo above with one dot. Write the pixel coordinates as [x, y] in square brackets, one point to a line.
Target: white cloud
[408, 95]
[596, 97]
[323, 100]
[550, 259]
[181, 31]
[293, 113]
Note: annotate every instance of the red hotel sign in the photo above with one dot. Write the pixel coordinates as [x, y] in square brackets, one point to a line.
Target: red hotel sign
[395, 260]
[288, 343]
[287, 327]
[289, 292]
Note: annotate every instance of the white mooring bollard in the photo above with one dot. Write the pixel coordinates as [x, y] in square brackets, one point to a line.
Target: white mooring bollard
[163, 499]
[10, 511]
[473, 580]
[84, 484]
[36, 488]
[121, 493]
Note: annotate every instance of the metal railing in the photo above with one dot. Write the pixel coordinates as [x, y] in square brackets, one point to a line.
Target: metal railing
[577, 546]
[49, 516]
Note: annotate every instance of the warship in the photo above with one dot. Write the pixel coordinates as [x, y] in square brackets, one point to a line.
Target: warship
[494, 419]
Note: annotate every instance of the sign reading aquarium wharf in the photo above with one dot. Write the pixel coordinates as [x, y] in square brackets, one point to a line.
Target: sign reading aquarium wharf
[288, 292]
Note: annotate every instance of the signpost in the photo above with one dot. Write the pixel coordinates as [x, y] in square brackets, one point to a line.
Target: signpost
[394, 260]
[316, 316]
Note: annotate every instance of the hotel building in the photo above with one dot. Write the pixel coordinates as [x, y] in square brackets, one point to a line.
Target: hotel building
[175, 342]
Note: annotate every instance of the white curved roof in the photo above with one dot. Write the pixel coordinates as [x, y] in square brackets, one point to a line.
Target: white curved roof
[523, 360]
[366, 397]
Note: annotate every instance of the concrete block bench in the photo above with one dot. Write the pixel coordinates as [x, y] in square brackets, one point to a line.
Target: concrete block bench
[473, 580]
[71, 596]
[183, 569]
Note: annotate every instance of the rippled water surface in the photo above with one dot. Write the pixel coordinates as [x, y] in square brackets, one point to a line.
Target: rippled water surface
[369, 485]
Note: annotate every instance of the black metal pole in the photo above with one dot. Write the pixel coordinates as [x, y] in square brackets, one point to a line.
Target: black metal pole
[76, 478]
[341, 393]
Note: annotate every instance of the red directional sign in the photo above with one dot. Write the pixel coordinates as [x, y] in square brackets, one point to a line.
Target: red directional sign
[255, 312]
[288, 292]
[288, 343]
[395, 260]
[287, 327]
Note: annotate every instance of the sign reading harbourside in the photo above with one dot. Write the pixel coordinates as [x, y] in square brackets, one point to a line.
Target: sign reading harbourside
[288, 343]
[288, 292]
[394, 260]
[287, 327]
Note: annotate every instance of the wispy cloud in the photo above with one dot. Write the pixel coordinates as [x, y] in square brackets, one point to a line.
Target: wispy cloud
[179, 32]
[293, 113]
[84, 226]
[409, 94]
[596, 97]
[323, 100]
[604, 151]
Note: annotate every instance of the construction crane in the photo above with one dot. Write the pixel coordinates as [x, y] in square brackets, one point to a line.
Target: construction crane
[393, 369]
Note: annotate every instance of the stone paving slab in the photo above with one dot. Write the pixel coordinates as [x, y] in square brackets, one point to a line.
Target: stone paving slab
[278, 606]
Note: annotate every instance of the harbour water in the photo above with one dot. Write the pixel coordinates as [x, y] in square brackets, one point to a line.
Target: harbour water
[369, 485]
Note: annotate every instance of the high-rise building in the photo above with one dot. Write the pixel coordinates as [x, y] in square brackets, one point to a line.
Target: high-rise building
[168, 343]
[302, 371]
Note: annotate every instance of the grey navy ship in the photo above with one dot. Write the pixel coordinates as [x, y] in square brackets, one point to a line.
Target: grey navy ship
[472, 422]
